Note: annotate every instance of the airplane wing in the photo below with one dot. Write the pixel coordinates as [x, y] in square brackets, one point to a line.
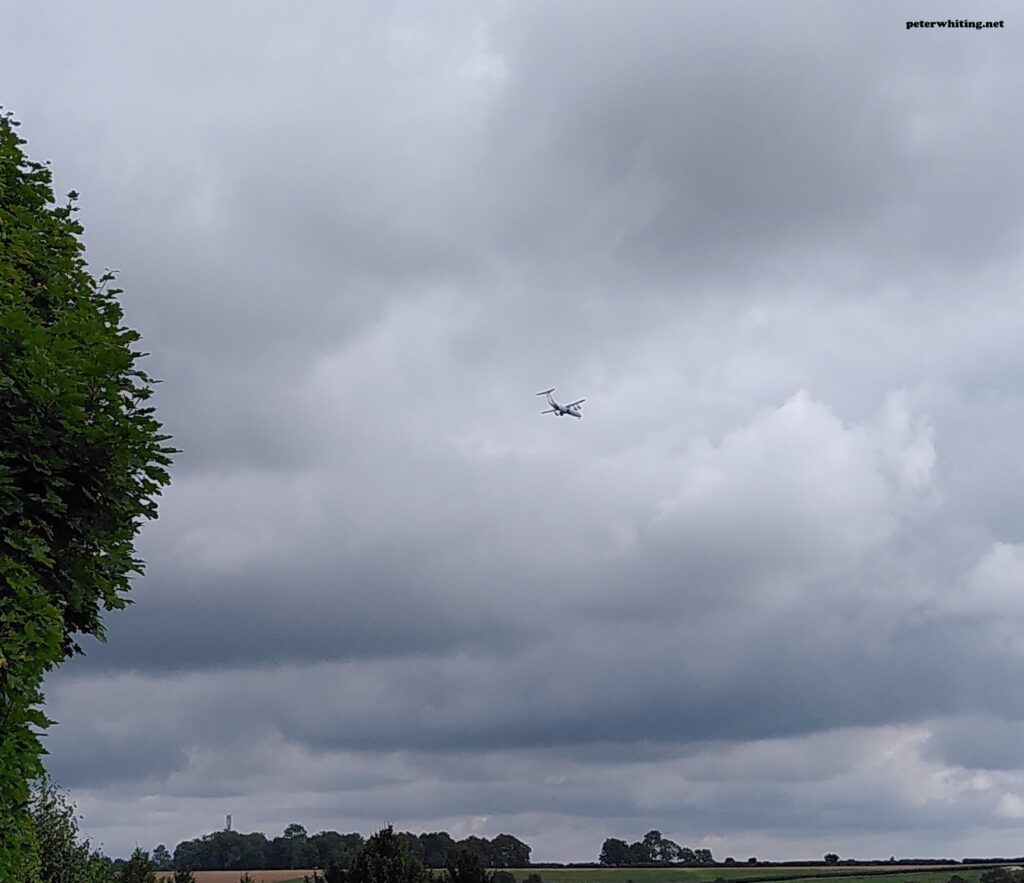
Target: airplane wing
[574, 404]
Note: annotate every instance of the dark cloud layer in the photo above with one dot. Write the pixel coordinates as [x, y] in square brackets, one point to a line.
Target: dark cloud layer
[765, 597]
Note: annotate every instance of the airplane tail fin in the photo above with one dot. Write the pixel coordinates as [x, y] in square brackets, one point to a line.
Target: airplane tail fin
[544, 392]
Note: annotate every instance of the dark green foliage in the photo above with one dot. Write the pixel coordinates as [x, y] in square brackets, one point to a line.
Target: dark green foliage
[248, 878]
[184, 875]
[652, 849]
[138, 869]
[414, 844]
[831, 858]
[335, 872]
[536, 878]
[292, 849]
[161, 859]
[639, 853]
[335, 849]
[614, 852]
[334, 853]
[466, 867]
[660, 848]
[480, 847]
[225, 851]
[504, 877]
[509, 852]
[438, 849]
[63, 856]
[82, 461]
[1001, 875]
[386, 859]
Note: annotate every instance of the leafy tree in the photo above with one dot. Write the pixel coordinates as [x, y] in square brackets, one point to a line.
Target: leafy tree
[687, 856]
[504, 877]
[668, 850]
[480, 847]
[652, 842]
[139, 868]
[82, 461]
[386, 859]
[184, 875]
[334, 872]
[63, 855]
[188, 855]
[341, 849]
[438, 849]
[703, 856]
[614, 852]
[509, 852]
[293, 849]
[639, 853]
[414, 844]
[466, 867]
[831, 858]
[162, 860]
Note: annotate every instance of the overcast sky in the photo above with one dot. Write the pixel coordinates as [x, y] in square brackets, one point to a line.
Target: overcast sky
[767, 596]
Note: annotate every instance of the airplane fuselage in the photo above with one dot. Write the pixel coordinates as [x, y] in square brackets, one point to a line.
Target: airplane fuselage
[572, 409]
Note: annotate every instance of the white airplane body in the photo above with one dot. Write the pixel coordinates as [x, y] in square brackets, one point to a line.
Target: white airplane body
[572, 409]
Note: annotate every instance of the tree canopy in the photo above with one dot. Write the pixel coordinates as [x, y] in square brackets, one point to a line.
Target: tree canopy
[653, 849]
[295, 848]
[82, 460]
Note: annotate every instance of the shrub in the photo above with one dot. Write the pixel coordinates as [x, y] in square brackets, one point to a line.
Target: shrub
[466, 867]
[139, 869]
[386, 859]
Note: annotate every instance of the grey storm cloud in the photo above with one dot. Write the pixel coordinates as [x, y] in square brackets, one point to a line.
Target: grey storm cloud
[765, 597]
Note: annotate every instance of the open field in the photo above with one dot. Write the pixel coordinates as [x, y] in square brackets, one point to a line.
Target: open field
[907, 874]
[859, 874]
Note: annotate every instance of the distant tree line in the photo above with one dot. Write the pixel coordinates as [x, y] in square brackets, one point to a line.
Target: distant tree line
[653, 849]
[296, 849]
[386, 857]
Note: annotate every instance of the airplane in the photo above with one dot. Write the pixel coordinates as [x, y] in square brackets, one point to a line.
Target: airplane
[572, 409]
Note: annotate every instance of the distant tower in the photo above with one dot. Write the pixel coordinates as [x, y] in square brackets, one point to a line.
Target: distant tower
[227, 827]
